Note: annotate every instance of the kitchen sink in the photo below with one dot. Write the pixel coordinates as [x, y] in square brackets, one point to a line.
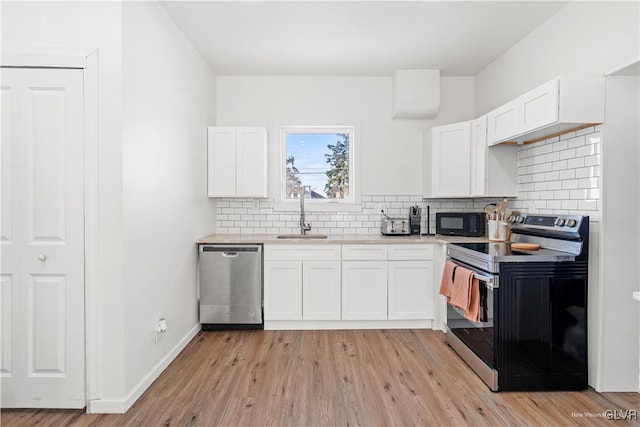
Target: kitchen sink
[302, 236]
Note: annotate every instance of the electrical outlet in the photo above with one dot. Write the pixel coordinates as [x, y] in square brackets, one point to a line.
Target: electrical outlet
[161, 328]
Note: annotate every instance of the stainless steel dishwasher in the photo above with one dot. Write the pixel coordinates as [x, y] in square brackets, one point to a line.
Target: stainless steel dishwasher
[230, 286]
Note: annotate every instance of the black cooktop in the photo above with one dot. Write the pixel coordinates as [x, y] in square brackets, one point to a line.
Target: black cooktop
[487, 256]
[494, 248]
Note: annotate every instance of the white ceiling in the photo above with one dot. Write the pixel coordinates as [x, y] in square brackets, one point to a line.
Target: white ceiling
[355, 37]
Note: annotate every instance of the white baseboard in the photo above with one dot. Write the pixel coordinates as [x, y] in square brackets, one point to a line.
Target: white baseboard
[120, 406]
[289, 325]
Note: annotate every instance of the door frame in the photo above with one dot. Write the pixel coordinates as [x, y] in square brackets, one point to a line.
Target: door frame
[87, 60]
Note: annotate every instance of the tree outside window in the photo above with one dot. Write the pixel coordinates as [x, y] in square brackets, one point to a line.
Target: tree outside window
[319, 158]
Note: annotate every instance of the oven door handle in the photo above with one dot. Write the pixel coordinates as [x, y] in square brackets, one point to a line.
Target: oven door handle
[491, 282]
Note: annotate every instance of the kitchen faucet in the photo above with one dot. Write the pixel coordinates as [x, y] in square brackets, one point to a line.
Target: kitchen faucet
[303, 227]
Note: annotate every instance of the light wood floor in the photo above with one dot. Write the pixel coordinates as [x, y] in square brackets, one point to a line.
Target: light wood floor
[308, 378]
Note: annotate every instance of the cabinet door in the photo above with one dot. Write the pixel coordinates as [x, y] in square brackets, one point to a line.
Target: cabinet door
[410, 290]
[479, 156]
[364, 252]
[321, 290]
[283, 290]
[221, 160]
[451, 156]
[251, 162]
[410, 252]
[502, 123]
[364, 290]
[539, 107]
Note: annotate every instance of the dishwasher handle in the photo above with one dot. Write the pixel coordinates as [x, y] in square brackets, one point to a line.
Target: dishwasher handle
[230, 250]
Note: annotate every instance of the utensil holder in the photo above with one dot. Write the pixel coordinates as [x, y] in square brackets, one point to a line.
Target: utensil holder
[498, 230]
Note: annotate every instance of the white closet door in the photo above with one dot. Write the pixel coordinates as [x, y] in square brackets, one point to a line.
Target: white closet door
[42, 361]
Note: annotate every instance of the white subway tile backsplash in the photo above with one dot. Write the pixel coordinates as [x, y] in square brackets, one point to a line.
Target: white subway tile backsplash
[540, 186]
[593, 138]
[592, 160]
[575, 188]
[545, 167]
[552, 176]
[559, 165]
[587, 130]
[567, 174]
[546, 195]
[554, 204]
[589, 183]
[569, 184]
[588, 205]
[577, 141]
[568, 154]
[579, 194]
[554, 185]
[586, 150]
[560, 145]
[575, 163]
[552, 157]
[568, 135]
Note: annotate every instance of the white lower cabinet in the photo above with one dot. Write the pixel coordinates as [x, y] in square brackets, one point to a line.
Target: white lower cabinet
[283, 290]
[374, 282]
[364, 290]
[302, 282]
[410, 290]
[321, 290]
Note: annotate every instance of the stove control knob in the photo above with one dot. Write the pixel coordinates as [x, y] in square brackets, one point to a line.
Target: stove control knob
[512, 218]
[571, 223]
[559, 222]
[520, 219]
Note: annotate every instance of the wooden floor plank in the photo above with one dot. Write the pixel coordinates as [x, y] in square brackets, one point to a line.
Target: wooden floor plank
[327, 378]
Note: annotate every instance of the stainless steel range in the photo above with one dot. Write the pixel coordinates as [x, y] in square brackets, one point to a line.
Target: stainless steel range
[532, 333]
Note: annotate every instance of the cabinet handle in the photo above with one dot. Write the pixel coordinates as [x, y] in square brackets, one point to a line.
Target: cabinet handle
[42, 257]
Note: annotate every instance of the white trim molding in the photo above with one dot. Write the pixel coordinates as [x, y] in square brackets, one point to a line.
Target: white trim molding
[120, 406]
[45, 57]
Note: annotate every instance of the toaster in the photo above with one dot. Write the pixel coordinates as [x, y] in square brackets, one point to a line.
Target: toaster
[395, 226]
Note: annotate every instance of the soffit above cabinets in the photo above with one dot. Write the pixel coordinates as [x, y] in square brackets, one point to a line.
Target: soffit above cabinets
[355, 38]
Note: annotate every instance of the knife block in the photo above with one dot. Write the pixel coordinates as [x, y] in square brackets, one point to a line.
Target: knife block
[414, 223]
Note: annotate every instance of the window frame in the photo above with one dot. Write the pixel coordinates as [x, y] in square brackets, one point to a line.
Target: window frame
[351, 203]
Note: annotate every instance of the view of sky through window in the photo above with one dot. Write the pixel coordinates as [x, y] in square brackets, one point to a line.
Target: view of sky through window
[307, 161]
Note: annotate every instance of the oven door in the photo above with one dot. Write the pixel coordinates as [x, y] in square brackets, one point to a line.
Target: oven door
[475, 341]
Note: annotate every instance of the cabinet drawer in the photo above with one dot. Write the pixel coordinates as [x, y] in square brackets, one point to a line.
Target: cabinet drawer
[302, 252]
[371, 252]
[410, 252]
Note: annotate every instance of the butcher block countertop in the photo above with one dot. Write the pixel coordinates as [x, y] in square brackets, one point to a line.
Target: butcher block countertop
[334, 239]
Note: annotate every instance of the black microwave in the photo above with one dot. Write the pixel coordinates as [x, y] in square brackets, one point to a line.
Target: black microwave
[471, 224]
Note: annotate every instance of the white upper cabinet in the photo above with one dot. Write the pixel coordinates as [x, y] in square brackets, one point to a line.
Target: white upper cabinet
[462, 164]
[451, 157]
[503, 122]
[557, 106]
[478, 156]
[539, 107]
[237, 161]
[494, 170]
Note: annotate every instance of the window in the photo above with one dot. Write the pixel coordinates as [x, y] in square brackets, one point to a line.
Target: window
[321, 158]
